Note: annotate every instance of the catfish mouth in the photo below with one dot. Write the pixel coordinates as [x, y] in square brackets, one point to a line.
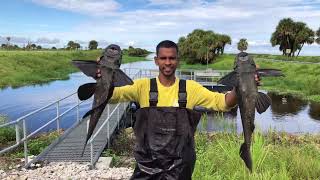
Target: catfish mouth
[113, 51]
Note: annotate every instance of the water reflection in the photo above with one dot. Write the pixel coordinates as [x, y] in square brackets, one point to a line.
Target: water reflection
[283, 105]
[291, 115]
[314, 110]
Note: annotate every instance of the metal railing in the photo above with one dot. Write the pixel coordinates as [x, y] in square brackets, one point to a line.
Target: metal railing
[23, 119]
[204, 77]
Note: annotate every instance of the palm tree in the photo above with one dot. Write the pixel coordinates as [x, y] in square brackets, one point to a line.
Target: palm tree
[242, 45]
[304, 35]
[93, 45]
[282, 35]
[291, 36]
[202, 46]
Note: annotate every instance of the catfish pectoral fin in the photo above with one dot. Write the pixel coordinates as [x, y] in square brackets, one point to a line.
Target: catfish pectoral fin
[89, 68]
[85, 91]
[263, 102]
[246, 156]
[270, 72]
[121, 79]
[229, 79]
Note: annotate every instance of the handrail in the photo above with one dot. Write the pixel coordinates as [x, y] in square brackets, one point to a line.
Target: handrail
[103, 124]
[25, 138]
[35, 111]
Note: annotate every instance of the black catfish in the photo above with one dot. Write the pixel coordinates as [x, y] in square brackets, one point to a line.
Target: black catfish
[248, 97]
[111, 76]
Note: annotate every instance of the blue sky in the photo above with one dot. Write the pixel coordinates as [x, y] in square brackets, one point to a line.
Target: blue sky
[143, 23]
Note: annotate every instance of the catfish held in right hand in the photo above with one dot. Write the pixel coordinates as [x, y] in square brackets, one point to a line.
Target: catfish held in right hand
[110, 76]
[248, 97]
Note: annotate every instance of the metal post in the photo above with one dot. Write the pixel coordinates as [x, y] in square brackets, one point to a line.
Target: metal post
[108, 132]
[58, 118]
[25, 142]
[17, 133]
[78, 102]
[108, 111]
[91, 153]
[118, 117]
[88, 124]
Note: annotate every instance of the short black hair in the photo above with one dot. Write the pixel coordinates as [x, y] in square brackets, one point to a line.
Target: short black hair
[166, 44]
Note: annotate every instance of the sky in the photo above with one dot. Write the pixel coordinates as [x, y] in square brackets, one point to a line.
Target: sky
[144, 23]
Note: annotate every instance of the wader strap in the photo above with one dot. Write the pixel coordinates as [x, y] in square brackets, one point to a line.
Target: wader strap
[153, 94]
[182, 93]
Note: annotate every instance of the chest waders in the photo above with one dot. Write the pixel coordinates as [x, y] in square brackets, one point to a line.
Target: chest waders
[164, 148]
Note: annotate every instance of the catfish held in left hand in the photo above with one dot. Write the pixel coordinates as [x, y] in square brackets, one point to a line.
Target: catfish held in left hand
[249, 99]
[111, 76]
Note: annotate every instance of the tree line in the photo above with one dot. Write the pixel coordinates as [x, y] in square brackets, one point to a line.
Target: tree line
[291, 36]
[202, 46]
[72, 45]
[131, 51]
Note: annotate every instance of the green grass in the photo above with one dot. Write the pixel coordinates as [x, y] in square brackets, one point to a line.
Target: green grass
[274, 157]
[35, 145]
[314, 59]
[7, 134]
[19, 68]
[300, 80]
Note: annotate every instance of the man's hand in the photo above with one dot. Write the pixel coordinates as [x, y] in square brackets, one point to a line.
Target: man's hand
[98, 72]
[257, 79]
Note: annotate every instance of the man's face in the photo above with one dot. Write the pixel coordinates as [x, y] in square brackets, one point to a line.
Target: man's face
[167, 60]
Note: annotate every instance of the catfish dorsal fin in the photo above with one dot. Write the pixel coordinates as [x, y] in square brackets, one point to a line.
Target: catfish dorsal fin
[229, 79]
[263, 102]
[85, 91]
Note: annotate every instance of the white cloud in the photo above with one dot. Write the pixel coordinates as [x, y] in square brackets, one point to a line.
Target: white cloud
[253, 20]
[90, 7]
[47, 41]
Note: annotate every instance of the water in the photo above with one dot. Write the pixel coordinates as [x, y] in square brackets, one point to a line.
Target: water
[286, 113]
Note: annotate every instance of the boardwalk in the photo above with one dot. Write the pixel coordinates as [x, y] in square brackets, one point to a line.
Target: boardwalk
[70, 145]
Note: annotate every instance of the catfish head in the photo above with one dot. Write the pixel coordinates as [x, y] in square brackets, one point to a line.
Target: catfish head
[111, 57]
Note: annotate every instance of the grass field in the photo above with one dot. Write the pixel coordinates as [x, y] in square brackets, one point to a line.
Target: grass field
[275, 156]
[300, 80]
[20, 68]
[313, 59]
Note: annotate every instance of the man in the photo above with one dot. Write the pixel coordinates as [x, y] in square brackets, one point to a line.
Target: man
[165, 123]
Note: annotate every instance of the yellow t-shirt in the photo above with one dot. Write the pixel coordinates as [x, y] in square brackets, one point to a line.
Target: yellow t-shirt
[197, 95]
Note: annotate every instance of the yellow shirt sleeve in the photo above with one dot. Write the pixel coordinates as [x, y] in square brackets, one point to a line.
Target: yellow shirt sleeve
[197, 95]
[136, 92]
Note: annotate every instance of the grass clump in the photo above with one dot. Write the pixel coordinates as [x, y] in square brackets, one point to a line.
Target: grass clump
[121, 149]
[7, 134]
[311, 59]
[218, 157]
